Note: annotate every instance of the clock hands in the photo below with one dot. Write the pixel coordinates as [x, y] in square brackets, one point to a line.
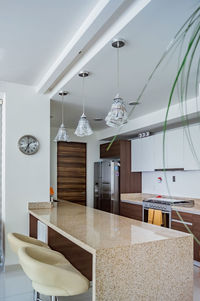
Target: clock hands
[28, 145]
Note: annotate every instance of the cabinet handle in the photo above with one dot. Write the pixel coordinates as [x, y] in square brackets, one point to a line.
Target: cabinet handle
[168, 169]
[180, 222]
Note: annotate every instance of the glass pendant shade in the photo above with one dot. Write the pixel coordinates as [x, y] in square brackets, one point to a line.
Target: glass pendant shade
[83, 128]
[62, 134]
[62, 131]
[118, 114]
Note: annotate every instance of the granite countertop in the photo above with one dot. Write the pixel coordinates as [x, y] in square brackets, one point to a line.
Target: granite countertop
[94, 229]
[137, 198]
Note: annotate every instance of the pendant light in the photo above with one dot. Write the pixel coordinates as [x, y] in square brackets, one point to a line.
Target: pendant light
[83, 128]
[118, 114]
[62, 131]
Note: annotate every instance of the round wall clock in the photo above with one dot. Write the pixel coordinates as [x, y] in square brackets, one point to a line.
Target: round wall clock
[28, 145]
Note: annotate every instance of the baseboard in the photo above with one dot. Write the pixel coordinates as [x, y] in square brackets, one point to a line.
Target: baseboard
[12, 267]
[197, 263]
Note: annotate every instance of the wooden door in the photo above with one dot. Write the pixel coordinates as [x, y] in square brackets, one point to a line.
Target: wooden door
[71, 172]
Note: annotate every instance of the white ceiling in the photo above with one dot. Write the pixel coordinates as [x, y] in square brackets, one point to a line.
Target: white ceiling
[147, 36]
[33, 33]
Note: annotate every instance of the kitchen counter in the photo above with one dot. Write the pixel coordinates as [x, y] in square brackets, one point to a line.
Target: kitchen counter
[131, 259]
[137, 198]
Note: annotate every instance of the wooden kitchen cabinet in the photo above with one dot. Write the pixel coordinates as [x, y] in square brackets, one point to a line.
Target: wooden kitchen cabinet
[193, 222]
[130, 182]
[112, 153]
[131, 210]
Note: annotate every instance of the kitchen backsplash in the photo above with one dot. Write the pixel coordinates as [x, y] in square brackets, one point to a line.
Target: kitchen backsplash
[180, 183]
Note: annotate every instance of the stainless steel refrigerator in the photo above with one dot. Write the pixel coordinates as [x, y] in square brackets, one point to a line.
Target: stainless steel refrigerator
[106, 186]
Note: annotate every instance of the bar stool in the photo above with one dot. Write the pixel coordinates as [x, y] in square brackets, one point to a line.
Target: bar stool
[48, 275]
[17, 240]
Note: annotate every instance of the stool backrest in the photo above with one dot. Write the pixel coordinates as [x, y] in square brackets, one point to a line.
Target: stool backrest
[43, 266]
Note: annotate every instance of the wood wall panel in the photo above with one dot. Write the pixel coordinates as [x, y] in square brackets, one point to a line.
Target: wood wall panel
[33, 226]
[71, 172]
[78, 257]
[129, 181]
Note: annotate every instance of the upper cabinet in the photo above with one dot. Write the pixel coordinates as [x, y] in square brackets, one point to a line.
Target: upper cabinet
[174, 145]
[147, 153]
[142, 154]
[192, 148]
[112, 153]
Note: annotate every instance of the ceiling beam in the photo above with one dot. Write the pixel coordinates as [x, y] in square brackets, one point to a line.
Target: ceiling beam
[98, 16]
[104, 22]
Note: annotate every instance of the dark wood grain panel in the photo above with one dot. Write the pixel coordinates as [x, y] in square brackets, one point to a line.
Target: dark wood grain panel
[71, 172]
[113, 152]
[187, 217]
[78, 257]
[129, 181]
[196, 232]
[131, 210]
[194, 219]
[180, 227]
[33, 226]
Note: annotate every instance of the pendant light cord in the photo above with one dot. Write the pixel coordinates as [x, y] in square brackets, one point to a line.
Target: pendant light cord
[62, 108]
[83, 91]
[118, 69]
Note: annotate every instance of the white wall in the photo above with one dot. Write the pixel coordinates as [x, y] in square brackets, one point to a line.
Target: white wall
[92, 156]
[187, 183]
[26, 178]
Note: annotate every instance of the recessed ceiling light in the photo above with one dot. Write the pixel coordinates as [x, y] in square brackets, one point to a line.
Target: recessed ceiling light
[133, 103]
[98, 119]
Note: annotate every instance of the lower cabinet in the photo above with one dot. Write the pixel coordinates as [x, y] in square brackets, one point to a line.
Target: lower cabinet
[193, 223]
[131, 210]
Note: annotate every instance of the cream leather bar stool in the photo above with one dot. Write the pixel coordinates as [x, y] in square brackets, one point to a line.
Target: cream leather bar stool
[49, 275]
[17, 240]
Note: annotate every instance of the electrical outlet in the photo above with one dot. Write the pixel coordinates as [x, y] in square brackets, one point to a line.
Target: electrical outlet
[173, 178]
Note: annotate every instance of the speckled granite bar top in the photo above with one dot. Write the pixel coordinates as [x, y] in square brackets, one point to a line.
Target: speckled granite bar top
[94, 230]
[40, 205]
[137, 198]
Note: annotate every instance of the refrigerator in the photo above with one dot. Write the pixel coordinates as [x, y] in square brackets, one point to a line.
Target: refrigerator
[106, 186]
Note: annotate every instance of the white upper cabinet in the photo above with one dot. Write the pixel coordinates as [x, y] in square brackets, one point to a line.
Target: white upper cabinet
[192, 148]
[174, 145]
[147, 153]
[142, 153]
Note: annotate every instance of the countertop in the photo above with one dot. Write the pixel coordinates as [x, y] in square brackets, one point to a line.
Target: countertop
[94, 229]
[137, 198]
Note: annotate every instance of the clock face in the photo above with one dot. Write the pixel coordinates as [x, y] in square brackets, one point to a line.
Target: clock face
[28, 145]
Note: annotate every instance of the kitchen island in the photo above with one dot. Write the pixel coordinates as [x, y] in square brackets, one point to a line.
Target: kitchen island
[130, 260]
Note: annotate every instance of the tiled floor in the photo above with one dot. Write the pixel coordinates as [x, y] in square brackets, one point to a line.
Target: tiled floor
[15, 286]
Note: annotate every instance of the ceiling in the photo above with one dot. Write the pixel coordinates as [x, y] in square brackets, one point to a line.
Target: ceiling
[147, 36]
[33, 33]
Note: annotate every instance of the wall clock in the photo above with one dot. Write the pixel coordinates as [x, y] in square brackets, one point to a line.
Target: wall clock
[28, 145]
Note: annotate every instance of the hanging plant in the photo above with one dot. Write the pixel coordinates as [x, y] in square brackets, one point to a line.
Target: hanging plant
[187, 42]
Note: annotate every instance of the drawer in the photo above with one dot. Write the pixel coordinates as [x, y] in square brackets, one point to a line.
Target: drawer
[131, 210]
[179, 226]
[187, 217]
